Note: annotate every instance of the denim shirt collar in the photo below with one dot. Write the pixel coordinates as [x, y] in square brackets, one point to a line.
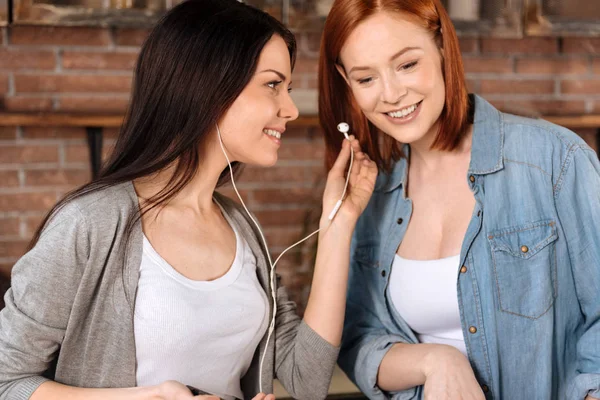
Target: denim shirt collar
[487, 149]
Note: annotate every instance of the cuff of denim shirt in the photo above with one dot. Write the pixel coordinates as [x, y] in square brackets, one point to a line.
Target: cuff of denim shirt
[583, 385]
[376, 350]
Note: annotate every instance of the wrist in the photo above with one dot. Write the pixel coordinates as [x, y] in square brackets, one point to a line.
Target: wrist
[436, 355]
[155, 392]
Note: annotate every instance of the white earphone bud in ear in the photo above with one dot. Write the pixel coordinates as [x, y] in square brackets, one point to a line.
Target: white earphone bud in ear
[344, 128]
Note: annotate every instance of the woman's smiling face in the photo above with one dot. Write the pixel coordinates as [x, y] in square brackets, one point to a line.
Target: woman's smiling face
[394, 70]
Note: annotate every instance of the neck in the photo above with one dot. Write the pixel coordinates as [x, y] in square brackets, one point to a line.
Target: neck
[197, 195]
[428, 159]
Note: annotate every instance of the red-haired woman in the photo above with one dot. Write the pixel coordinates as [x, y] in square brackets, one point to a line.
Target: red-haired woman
[475, 270]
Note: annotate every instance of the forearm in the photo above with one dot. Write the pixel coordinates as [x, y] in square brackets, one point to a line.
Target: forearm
[327, 301]
[55, 391]
[404, 366]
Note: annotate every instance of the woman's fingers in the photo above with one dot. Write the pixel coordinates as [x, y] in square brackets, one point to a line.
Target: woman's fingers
[339, 166]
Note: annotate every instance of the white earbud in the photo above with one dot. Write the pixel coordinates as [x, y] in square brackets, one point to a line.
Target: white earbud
[344, 128]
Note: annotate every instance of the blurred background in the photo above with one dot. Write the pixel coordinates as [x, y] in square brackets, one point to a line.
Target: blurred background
[65, 76]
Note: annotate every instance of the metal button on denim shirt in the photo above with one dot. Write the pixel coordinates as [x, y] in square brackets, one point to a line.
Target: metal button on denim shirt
[528, 280]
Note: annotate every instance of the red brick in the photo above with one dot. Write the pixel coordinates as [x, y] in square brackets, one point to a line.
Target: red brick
[309, 44]
[487, 65]
[3, 83]
[580, 86]
[89, 60]
[112, 104]
[514, 86]
[28, 154]
[66, 36]
[596, 67]
[72, 83]
[473, 85]
[587, 45]
[274, 174]
[34, 132]
[8, 132]
[528, 45]
[56, 177]
[546, 107]
[304, 150]
[23, 59]
[26, 104]
[282, 237]
[589, 135]
[468, 45]
[288, 218]
[304, 66]
[295, 195]
[77, 153]
[33, 222]
[13, 248]
[131, 37]
[10, 226]
[27, 201]
[550, 66]
[9, 178]
[297, 131]
[2, 34]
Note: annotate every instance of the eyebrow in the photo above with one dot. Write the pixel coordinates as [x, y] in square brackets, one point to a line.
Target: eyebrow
[282, 76]
[392, 58]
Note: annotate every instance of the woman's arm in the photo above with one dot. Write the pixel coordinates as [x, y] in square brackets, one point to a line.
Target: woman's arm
[577, 199]
[327, 301]
[306, 351]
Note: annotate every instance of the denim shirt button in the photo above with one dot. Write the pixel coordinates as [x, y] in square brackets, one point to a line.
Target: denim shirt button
[472, 179]
[473, 329]
[524, 249]
[479, 213]
[383, 273]
[485, 388]
[400, 221]
[463, 269]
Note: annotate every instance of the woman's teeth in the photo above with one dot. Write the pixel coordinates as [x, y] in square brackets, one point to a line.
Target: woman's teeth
[404, 112]
[273, 133]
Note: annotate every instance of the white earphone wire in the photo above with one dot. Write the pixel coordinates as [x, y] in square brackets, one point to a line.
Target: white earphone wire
[271, 263]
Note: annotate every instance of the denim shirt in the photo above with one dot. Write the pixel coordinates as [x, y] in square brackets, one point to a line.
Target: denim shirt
[529, 292]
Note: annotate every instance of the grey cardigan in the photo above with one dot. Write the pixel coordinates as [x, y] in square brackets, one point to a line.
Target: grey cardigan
[69, 312]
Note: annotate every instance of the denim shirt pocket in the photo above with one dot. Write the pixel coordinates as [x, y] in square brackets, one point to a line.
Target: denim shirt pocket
[524, 261]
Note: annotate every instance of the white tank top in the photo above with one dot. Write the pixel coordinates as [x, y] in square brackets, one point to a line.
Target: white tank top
[200, 333]
[424, 294]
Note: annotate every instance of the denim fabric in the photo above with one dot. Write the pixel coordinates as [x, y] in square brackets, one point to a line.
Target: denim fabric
[536, 310]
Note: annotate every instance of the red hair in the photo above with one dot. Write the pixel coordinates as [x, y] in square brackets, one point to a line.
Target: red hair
[336, 102]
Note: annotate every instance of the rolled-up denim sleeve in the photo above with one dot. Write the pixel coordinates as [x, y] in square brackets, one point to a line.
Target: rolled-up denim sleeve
[577, 198]
[366, 340]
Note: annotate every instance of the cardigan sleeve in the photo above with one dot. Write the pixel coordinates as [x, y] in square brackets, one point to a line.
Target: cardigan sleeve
[38, 304]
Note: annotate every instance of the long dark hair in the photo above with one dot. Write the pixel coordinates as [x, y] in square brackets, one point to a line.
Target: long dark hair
[193, 65]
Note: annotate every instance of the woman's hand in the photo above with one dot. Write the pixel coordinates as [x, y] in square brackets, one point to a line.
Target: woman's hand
[360, 187]
[449, 376]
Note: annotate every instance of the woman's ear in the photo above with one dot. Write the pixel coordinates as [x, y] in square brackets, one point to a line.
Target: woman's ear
[342, 72]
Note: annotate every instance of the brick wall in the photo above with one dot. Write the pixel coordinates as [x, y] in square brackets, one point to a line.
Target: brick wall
[89, 70]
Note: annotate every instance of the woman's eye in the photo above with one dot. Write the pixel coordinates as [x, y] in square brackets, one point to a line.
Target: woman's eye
[409, 65]
[364, 81]
[274, 84]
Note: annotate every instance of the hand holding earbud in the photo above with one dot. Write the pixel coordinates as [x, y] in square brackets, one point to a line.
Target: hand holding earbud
[361, 181]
